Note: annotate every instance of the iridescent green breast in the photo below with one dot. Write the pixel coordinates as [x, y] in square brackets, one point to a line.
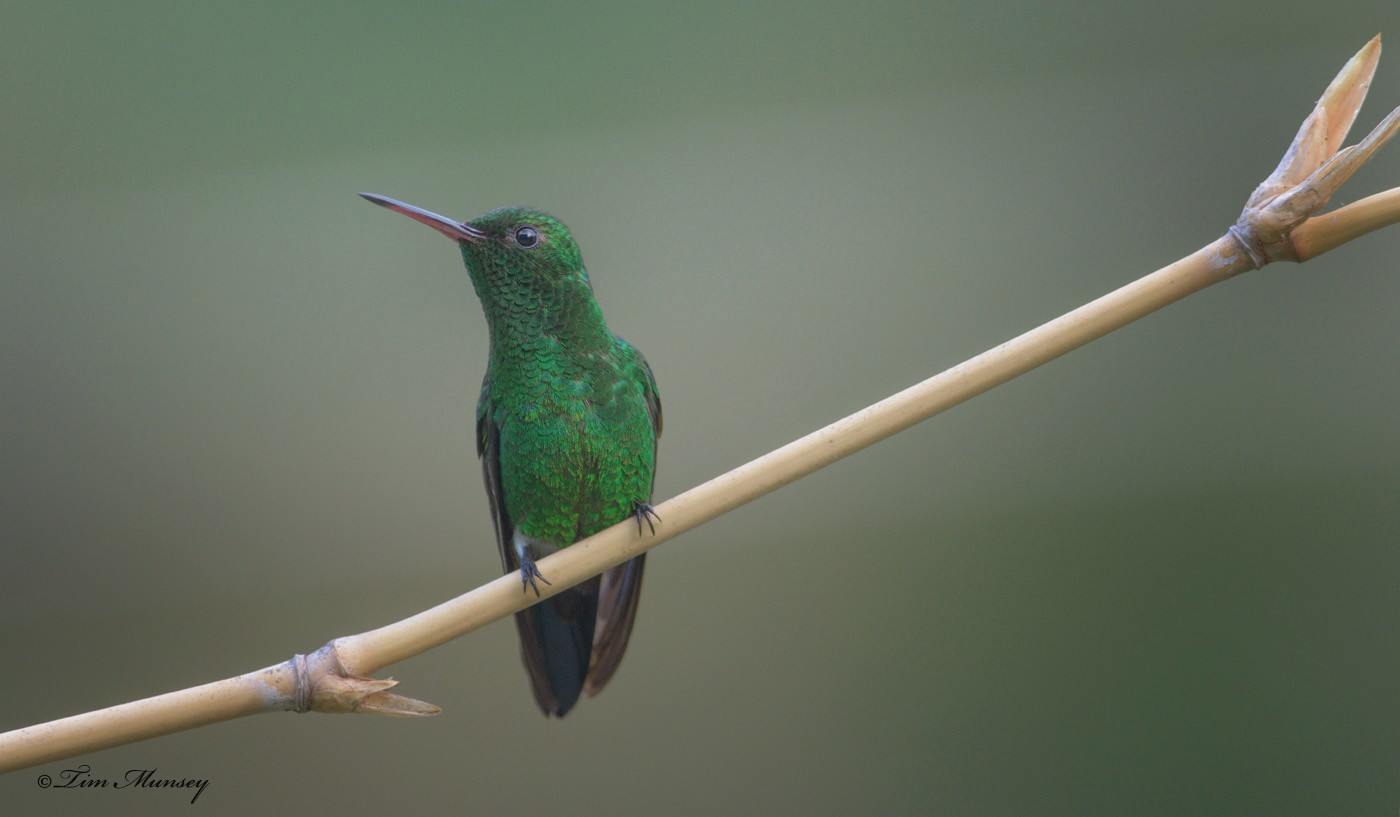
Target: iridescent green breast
[577, 444]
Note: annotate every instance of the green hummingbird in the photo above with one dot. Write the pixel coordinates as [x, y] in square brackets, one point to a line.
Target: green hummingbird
[566, 430]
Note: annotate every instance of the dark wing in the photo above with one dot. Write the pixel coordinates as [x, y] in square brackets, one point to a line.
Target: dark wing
[554, 634]
[488, 449]
[653, 399]
[621, 588]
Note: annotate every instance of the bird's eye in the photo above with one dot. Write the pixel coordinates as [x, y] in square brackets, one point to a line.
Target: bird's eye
[527, 236]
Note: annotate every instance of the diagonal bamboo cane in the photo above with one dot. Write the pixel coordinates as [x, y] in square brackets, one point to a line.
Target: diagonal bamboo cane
[1279, 222]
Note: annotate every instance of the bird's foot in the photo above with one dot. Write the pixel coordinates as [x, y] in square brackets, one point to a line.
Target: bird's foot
[528, 574]
[646, 512]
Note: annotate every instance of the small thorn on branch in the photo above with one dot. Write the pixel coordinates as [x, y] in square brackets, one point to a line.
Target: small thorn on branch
[322, 685]
[355, 693]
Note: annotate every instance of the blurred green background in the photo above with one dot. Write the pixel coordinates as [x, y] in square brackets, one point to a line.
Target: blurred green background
[1158, 576]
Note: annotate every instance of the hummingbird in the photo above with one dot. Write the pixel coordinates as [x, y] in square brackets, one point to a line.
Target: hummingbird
[566, 430]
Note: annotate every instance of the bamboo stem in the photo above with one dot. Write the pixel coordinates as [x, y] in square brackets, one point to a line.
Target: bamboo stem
[1331, 230]
[138, 720]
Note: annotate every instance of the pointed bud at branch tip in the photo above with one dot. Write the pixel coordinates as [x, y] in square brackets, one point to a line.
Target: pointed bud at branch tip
[1326, 127]
[1312, 169]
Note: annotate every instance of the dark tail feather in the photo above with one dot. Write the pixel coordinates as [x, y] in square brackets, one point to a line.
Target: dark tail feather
[617, 608]
[557, 636]
[556, 639]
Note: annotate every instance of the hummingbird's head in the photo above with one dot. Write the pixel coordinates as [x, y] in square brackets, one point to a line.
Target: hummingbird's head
[520, 259]
[524, 246]
[507, 243]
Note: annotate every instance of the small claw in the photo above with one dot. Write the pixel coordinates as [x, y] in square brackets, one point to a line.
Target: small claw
[528, 574]
[646, 512]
